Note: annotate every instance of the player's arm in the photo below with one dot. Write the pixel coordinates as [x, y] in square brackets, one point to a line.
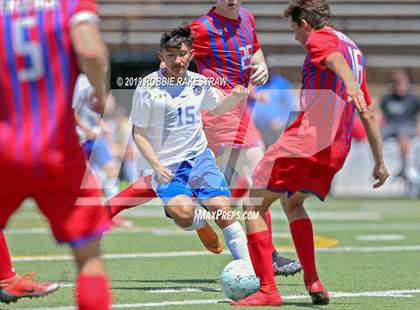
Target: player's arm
[141, 113]
[370, 123]
[337, 63]
[259, 75]
[90, 134]
[139, 136]
[227, 102]
[93, 56]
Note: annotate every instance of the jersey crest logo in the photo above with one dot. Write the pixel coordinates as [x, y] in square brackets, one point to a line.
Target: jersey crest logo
[197, 90]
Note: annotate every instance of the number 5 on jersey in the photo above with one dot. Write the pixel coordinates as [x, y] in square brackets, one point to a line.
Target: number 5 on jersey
[23, 47]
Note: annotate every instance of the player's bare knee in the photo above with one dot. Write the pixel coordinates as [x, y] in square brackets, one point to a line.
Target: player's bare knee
[183, 215]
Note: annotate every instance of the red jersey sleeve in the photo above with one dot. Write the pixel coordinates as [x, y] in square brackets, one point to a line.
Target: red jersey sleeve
[86, 5]
[201, 44]
[84, 10]
[320, 44]
[256, 42]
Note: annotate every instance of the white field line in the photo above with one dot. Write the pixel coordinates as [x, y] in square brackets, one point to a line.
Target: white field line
[159, 231]
[413, 226]
[390, 294]
[380, 237]
[395, 293]
[66, 285]
[405, 248]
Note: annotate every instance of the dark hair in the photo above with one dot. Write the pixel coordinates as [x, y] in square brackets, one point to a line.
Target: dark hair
[177, 36]
[316, 12]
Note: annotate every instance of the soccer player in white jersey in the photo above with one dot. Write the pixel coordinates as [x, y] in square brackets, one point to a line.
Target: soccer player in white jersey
[94, 145]
[168, 131]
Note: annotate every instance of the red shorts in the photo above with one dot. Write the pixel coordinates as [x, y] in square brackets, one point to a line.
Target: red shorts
[56, 194]
[293, 175]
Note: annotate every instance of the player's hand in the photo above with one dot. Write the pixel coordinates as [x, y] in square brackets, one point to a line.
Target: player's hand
[355, 94]
[380, 174]
[240, 92]
[98, 100]
[91, 134]
[259, 74]
[163, 174]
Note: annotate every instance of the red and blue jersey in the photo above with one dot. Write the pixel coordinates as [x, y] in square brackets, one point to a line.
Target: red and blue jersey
[38, 70]
[224, 47]
[325, 126]
[223, 51]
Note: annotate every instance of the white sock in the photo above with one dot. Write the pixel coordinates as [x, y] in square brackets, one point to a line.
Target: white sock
[198, 222]
[235, 239]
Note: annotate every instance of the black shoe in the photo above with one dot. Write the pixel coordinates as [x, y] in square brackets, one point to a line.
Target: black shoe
[284, 266]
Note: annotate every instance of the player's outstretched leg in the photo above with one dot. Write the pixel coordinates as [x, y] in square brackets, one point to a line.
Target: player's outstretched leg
[259, 250]
[182, 210]
[303, 238]
[14, 286]
[233, 232]
[246, 160]
[136, 194]
[259, 245]
[92, 289]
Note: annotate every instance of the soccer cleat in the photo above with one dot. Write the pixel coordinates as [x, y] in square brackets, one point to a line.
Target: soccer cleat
[318, 293]
[258, 299]
[210, 239]
[284, 266]
[23, 286]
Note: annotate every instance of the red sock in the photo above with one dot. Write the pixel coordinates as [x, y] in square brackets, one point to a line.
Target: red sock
[270, 228]
[6, 268]
[92, 293]
[240, 189]
[303, 239]
[259, 246]
[136, 194]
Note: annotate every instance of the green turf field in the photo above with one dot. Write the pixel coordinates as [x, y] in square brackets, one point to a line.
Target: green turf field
[368, 256]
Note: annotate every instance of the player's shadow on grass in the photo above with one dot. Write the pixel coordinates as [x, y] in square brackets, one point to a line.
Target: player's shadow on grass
[296, 304]
[191, 281]
[309, 304]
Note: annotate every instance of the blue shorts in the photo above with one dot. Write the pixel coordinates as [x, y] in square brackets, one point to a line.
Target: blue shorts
[197, 178]
[98, 153]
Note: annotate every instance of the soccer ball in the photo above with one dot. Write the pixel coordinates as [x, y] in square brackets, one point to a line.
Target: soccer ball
[238, 280]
